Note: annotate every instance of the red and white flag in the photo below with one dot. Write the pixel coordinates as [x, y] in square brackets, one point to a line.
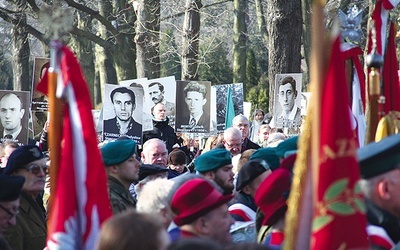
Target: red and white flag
[80, 203]
[339, 214]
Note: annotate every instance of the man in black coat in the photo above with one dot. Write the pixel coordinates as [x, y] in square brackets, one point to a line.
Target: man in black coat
[161, 129]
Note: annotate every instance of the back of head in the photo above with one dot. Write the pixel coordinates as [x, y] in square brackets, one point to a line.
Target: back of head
[132, 230]
[194, 244]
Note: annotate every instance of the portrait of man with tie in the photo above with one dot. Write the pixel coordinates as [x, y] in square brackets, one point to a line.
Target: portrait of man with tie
[13, 116]
[196, 117]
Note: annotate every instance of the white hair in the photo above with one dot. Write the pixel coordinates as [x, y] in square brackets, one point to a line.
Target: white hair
[154, 196]
[232, 132]
[239, 118]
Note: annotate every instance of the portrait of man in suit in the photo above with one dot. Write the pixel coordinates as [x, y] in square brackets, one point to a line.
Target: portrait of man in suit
[289, 114]
[124, 104]
[195, 115]
[157, 92]
[12, 112]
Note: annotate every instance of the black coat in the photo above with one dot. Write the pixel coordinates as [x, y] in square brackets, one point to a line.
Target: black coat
[162, 131]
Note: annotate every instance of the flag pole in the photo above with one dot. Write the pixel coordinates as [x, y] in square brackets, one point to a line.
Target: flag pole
[374, 63]
[55, 118]
[299, 213]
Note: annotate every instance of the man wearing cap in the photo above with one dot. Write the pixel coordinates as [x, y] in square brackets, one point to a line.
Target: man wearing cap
[380, 184]
[149, 172]
[288, 146]
[216, 165]
[122, 167]
[202, 211]
[269, 155]
[271, 198]
[10, 189]
[30, 231]
[249, 179]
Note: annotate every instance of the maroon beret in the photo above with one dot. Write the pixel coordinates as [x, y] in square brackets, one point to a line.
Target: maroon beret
[194, 199]
[288, 162]
[272, 194]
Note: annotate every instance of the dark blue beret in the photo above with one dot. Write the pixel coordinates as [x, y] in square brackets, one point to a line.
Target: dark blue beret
[149, 169]
[267, 154]
[213, 159]
[118, 151]
[21, 156]
[10, 187]
[379, 157]
[251, 170]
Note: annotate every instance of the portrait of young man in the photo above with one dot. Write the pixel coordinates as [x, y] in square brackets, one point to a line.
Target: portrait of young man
[14, 115]
[193, 111]
[122, 114]
[287, 112]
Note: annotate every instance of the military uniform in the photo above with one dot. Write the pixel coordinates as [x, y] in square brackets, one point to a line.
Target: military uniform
[30, 232]
[120, 197]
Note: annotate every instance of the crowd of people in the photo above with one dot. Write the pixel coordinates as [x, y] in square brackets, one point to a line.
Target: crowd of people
[174, 193]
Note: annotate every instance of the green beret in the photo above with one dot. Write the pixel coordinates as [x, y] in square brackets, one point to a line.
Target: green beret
[287, 145]
[213, 159]
[379, 157]
[267, 154]
[118, 151]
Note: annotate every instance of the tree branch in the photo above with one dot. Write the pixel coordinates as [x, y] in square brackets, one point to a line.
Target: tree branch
[204, 6]
[92, 37]
[94, 14]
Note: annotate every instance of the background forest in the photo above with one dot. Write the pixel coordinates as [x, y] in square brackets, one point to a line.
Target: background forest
[222, 41]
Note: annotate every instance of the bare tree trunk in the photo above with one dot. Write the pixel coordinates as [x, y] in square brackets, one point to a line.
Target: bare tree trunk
[262, 26]
[125, 52]
[239, 41]
[306, 7]
[85, 54]
[190, 40]
[148, 39]
[284, 22]
[20, 56]
[106, 62]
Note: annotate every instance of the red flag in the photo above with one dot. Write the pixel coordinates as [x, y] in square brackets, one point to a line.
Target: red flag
[81, 200]
[339, 221]
[391, 84]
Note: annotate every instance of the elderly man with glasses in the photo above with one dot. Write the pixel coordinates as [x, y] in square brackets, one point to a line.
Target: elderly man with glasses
[30, 230]
[242, 123]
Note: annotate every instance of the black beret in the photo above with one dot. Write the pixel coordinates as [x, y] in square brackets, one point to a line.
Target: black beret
[10, 187]
[22, 156]
[251, 170]
[149, 169]
[379, 157]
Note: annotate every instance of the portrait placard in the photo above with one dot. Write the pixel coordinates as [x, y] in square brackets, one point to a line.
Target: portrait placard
[14, 116]
[39, 100]
[286, 111]
[193, 106]
[221, 101]
[122, 112]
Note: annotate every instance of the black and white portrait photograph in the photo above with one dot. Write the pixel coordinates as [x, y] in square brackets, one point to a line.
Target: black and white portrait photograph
[193, 106]
[14, 116]
[39, 100]
[138, 86]
[161, 91]
[122, 113]
[221, 101]
[287, 105]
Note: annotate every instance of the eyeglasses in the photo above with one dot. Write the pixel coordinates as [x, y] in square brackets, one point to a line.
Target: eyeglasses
[237, 145]
[35, 169]
[11, 214]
